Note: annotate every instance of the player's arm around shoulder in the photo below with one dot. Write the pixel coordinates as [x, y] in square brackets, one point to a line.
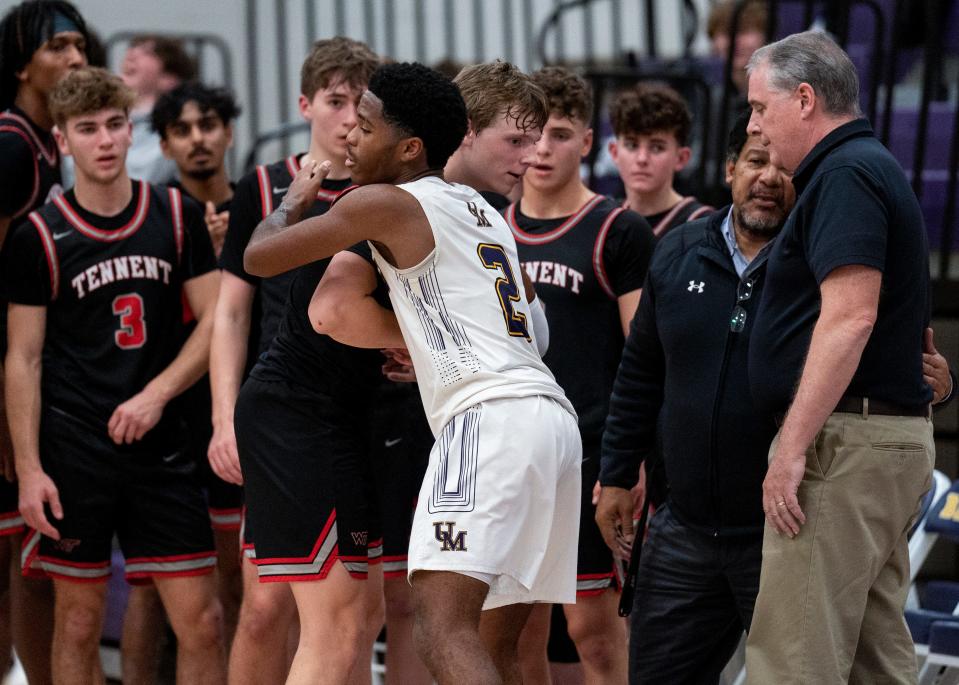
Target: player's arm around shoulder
[343, 305]
[381, 213]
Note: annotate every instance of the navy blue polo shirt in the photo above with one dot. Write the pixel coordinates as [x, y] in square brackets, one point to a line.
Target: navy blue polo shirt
[854, 206]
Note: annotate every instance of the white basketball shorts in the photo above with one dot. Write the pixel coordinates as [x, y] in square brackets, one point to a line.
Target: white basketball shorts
[501, 498]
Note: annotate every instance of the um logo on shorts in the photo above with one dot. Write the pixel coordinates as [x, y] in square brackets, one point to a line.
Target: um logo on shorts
[451, 542]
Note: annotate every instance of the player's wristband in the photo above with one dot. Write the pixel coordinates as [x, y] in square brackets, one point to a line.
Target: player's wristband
[540, 326]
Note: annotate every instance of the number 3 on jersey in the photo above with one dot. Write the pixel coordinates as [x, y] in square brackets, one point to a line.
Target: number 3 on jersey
[133, 329]
[494, 257]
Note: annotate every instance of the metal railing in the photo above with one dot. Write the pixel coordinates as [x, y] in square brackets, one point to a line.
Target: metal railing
[529, 33]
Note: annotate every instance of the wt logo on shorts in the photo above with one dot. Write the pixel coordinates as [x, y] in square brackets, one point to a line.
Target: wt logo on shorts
[451, 542]
[66, 544]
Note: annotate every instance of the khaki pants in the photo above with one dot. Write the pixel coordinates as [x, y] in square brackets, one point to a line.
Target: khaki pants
[830, 604]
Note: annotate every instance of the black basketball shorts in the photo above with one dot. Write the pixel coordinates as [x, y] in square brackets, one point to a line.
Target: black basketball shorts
[11, 522]
[148, 498]
[596, 568]
[400, 445]
[306, 472]
[224, 500]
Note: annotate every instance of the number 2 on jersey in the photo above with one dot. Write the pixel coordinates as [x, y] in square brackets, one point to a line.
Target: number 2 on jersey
[494, 257]
[133, 329]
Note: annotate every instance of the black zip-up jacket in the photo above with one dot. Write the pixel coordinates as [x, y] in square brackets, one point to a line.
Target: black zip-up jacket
[682, 387]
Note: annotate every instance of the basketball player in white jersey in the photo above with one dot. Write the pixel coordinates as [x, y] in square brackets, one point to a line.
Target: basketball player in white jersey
[501, 494]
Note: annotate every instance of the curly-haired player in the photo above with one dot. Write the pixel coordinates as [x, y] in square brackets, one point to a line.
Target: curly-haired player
[651, 123]
[501, 494]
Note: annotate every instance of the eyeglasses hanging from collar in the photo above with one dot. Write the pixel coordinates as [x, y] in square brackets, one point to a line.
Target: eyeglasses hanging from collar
[737, 320]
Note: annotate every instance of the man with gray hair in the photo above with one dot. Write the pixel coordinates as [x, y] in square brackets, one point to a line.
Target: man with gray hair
[854, 453]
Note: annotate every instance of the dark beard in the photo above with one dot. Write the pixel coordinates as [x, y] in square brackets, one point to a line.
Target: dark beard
[201, 174]
[759, 228]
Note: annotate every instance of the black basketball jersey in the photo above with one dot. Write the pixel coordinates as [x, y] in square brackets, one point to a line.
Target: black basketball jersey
[29, 177]
[687, 209]
[112, 288]
[580, 265]
[257, 195]
[317, 363]
[30, 169]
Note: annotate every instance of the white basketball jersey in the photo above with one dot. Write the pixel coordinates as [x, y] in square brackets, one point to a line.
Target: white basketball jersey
[463, 309]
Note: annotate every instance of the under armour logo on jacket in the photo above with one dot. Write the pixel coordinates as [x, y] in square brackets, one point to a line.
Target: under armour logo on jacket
[698, 287]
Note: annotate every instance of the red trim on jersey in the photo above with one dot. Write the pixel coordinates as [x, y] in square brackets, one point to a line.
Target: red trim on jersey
[76, 564]
[70, 579]
[176, 208]
[333, 197]
[295, 578]
[309, 558]
[50, 249]
[13, 528]
[104, 566]
[172, 557]
[11, 523]
[139, 216]
[187, 311]
[702, 211]
[36, 167]
[226, 519]
[663, 224]
[292, 165]
[266, 190]
[540, 238]
[138, 577]
[592, 592]
[599, 267]
[49, 154]
[595, 576]
[29, 549]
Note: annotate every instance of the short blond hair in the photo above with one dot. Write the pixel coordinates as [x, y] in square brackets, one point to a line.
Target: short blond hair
[88, 90]
[495, 89]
